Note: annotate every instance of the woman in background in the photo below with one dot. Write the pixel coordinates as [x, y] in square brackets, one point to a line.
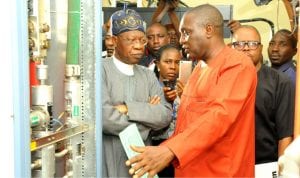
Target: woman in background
[168, 60]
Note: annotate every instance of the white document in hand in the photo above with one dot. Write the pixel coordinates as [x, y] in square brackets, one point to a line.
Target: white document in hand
[266, 170]
[131, 136]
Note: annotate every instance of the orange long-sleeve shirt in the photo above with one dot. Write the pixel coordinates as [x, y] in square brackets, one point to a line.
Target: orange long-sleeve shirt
[214, 135]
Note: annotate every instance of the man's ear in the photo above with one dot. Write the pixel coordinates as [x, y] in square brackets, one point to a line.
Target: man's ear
[295, 51]
[209, 29]
[114, 40]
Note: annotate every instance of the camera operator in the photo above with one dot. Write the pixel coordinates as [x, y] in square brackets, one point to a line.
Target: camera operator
[168, 7]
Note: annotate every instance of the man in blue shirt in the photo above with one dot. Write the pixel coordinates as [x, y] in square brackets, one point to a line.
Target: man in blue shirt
[282, 48]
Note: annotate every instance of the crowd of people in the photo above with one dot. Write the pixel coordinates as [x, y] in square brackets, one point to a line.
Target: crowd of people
[233, 113]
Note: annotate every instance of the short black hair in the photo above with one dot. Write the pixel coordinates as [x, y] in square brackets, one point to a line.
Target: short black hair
[290, 37]
[164, 48]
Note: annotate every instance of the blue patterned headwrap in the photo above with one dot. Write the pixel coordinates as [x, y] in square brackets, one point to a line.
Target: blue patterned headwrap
[126, 20]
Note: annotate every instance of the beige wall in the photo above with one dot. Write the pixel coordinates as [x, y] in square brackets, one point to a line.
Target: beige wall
[245, 9]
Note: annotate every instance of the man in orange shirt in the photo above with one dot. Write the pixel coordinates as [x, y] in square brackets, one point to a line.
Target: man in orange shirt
[214, 134]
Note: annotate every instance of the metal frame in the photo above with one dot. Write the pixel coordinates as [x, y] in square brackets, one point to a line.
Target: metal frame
[21, 90]
[98, 130]
[87, 60]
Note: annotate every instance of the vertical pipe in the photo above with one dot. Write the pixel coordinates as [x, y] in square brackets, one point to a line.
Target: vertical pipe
[73, 31]
[290, 12]
[33, 79]
[297, 99]
[32, 76]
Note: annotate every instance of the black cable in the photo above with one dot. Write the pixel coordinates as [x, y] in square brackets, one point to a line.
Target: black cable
[184, 4]
[271, 24]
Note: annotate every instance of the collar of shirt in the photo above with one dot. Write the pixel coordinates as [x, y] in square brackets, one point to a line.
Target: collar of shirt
[161, 83]
[286, 66]
[104, 54]
[126, 69]
[202, 64]
[150, 61]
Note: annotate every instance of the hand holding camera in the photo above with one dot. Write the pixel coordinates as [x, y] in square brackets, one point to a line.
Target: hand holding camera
[172, 4]
[169, 83]
[169, 90]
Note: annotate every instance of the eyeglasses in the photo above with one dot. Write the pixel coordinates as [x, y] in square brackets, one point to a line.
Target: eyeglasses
[240, 45]
[132, 41]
